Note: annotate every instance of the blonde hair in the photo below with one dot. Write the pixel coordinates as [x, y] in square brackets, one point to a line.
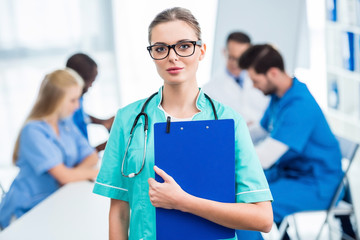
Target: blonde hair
[52, 91]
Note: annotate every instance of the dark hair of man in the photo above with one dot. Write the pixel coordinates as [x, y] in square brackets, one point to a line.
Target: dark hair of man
[261, 58]
[239, 37]
[83, 65]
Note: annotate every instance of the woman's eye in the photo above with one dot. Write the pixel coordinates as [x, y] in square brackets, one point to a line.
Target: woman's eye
[160, 49]
[184, 46]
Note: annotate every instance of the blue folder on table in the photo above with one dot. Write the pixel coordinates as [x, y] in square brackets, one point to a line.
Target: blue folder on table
[200, 156]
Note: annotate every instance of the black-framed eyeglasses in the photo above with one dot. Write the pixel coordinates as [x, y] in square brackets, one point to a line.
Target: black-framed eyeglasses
[182, 49]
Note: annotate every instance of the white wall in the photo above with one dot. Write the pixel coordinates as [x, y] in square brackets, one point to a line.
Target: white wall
[279, 22]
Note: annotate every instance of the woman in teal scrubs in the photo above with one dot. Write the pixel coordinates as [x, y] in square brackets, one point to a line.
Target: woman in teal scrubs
[177, 49]
[50, 151]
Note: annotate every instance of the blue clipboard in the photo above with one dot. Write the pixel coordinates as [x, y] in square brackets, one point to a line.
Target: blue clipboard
[200, 156]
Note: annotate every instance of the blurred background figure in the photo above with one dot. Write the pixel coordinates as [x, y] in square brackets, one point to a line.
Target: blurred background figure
[87, 68]
[231, 85]
[50, 150]
[300, 154]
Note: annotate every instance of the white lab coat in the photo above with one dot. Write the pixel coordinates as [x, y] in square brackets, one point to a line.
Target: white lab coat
[248, 101]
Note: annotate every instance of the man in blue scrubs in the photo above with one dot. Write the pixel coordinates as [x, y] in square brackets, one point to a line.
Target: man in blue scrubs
[300, 154]
[87, 68]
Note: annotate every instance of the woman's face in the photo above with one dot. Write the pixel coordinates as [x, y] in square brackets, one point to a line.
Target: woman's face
[175, 69]
[70, 103]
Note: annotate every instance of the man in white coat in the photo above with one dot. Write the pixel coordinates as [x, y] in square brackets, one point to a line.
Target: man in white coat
[233, 87]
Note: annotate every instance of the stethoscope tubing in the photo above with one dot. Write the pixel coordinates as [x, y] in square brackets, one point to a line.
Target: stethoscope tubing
[131, 175]
[146, 126]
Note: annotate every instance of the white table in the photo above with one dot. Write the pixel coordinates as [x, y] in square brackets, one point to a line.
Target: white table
[72, 212]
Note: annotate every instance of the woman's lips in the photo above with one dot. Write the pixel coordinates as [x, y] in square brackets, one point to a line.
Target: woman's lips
[174, 70]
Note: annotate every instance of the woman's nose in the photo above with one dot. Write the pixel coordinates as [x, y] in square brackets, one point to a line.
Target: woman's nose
[172, 55]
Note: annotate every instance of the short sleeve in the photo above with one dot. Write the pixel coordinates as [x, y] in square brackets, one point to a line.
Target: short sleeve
[294, 124]
[251, 183]
[110, 183]
[38, 148]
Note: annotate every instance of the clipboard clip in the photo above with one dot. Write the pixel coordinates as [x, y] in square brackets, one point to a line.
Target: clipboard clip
[168, 124]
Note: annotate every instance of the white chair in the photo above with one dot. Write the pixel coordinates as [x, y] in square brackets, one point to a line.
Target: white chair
[348, 151]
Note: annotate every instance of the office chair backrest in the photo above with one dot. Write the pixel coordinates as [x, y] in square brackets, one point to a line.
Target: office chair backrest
[348, 148]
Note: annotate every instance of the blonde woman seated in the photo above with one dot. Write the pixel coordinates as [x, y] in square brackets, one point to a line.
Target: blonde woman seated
[50, 151]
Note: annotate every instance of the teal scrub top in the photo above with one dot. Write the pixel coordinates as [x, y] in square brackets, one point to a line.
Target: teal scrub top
[251, 184]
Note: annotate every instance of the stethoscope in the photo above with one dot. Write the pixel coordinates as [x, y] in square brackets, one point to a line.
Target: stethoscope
[142, 113]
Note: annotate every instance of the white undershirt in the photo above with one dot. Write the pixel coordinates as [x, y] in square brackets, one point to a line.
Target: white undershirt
[174, 119]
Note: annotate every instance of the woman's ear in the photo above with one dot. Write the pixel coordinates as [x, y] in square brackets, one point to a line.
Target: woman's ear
[202, 52]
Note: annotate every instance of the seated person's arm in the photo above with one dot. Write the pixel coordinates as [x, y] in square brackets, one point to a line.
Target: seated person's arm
[89, 161]
[257, 133]
[269, 151]
[106, 122]
[83, 171]
[101, 146]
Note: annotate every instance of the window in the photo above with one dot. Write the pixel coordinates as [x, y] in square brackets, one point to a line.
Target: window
[37, 37]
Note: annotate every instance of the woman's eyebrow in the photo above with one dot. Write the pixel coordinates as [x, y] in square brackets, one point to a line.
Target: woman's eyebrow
[163, 43]
[160, 43]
